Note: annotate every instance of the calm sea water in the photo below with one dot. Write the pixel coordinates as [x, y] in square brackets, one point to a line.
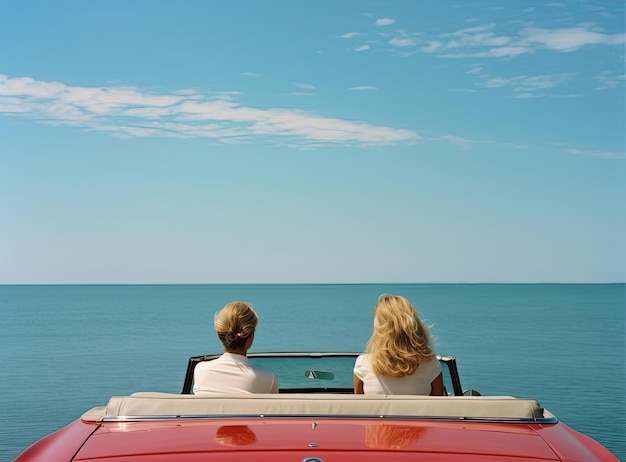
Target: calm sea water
[66, 349]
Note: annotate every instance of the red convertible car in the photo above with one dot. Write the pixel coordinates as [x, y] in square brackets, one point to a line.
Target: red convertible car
[316, 418]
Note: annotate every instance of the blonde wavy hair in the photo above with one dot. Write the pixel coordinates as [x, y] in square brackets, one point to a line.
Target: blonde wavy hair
[235, 323]
[400, 341]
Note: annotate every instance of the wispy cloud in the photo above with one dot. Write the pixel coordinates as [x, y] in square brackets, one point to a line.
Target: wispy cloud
[473, 39]
[385, 21]
[527, 95]
[403, 39]
[126, 111]
[503, 52]
[432, 46]
[251, 74]
[567, 40]
[304, 86]
[363, 88]
[132, 112]
[594, 153]
[476, 42]
[475, 36]
[482, 40]
[348, 35]
[470, 143]
[362, 48]
[527, 86]
[463, 143]
[608, 80]
[568, 95]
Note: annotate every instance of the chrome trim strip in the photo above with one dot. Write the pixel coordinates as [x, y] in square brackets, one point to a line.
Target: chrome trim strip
[148, 418]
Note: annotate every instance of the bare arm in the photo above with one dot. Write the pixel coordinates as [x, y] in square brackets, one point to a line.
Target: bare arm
[436, 386]
[274, 388]
[358, 385]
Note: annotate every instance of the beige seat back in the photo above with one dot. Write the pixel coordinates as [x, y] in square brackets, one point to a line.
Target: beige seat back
[165, 404]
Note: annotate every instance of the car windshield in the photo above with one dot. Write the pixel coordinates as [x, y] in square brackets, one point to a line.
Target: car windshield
[319, 372]
[295, 372]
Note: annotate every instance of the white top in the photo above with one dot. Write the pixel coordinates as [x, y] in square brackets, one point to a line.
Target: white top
[232, 373]
[418, 383]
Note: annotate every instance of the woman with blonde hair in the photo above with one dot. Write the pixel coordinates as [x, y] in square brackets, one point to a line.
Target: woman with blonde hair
[399, 358]
[232, 372]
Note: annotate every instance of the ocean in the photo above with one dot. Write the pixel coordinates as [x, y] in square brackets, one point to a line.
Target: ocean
[67, 348]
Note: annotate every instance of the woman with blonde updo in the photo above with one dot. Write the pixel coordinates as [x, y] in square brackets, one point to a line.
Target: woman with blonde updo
[399, 358]
[231, 372]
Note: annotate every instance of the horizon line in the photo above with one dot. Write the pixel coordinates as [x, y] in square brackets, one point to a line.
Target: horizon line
[297, 283]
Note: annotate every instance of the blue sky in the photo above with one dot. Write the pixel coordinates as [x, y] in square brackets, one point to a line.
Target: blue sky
[306, 141]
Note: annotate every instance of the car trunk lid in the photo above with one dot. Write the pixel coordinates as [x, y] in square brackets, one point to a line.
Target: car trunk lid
[297, 439]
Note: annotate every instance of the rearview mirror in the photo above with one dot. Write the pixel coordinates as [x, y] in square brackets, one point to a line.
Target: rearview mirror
[319, 375]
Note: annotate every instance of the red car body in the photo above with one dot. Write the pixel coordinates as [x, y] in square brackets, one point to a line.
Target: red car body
[317, 424]
[332, 440]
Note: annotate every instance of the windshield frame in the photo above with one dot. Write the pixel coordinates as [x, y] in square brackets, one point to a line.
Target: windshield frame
[452, 381]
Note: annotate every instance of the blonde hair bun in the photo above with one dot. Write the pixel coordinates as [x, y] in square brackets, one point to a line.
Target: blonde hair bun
[235, 323]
